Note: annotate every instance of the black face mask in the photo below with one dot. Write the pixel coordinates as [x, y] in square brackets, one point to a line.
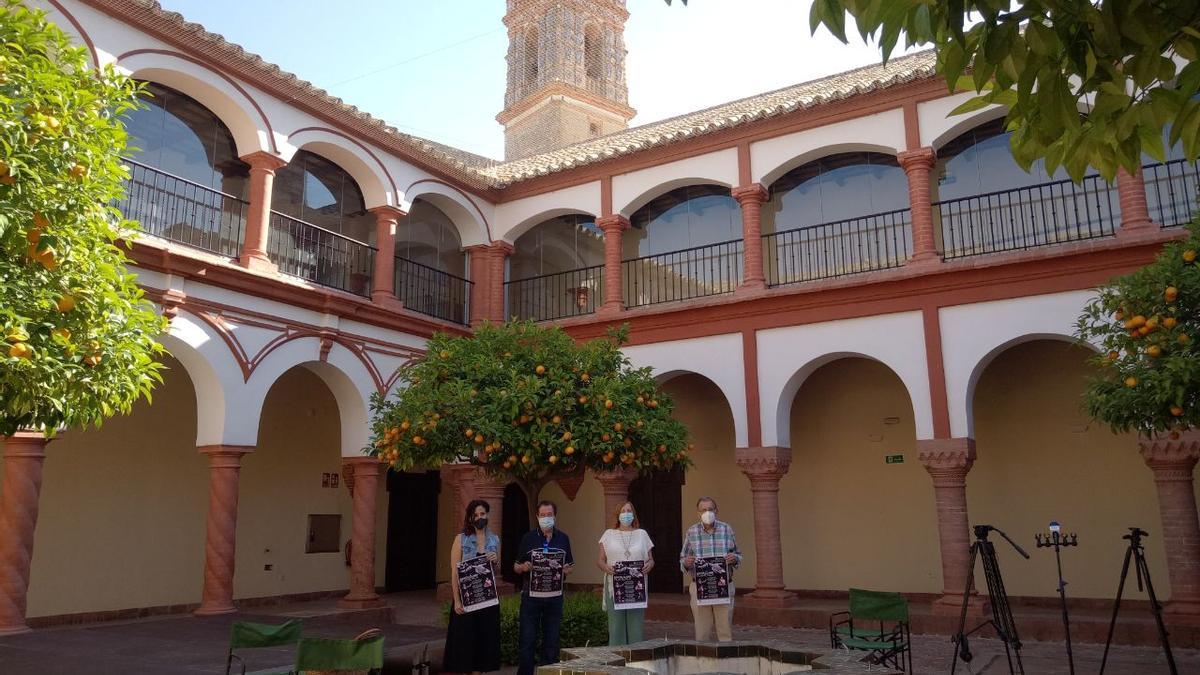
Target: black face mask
[480, 523]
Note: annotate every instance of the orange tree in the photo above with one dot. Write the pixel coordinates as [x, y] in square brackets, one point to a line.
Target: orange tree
[1145, 325]
[529, 404]
[78, 338]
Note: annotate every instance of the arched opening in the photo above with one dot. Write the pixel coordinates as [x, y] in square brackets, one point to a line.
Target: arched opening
[985, 202]
[431, 267]
[531, 58]
[294, 520]
[858, 503]
[683, 244]
[515, 525]
[186, 182]
[1039, 458]
[593, 60]
[703, 409]
[840, 214]
[96, 488]
[320, 226]
[557, 269]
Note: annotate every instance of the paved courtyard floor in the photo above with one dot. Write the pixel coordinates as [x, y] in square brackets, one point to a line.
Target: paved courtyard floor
[186, 644]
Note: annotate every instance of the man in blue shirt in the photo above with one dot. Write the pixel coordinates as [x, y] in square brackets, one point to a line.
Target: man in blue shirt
[542, 614]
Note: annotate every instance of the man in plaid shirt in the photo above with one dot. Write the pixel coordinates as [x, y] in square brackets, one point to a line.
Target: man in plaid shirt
[708, 538]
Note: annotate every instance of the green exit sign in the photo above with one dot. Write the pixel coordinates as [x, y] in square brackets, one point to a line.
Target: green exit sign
[894, 459]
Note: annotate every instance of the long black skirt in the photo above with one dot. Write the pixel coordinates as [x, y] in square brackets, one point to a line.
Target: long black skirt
[473, 641]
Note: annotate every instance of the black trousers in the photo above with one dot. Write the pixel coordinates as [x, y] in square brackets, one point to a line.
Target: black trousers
[542, 615]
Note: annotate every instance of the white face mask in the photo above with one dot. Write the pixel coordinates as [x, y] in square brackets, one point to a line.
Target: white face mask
[546, 522]
[708, 517]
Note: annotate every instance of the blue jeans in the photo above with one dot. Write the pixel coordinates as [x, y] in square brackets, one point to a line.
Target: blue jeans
[544, 615]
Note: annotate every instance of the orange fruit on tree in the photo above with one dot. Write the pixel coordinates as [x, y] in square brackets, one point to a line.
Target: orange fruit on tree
[1131, 382]
[526, 459]
[78, 171]
[653, 403]
[583, 399]
[1183, 338]
[566, 436]
[65, 304]
[1171, 293]
[20, 350]
[640, 424]
[608, 404]
[1145, 330]
[405, 425]
[1189, 255]
[417, 440]
[1169, 322]
[61, 333]
[1176, 410]
[1136, 322]
[570, 450]
[478, 439]
[445, 354]
[1112, 356]
[92, 360]
[628, 442]
[40, 221]
[641, 400]
[617, 426]
[606, 437]
[540, 370]
[556, 419]
[33, 236]
[585, 377]
[470, 433]
[1154, 351]
[553, 459]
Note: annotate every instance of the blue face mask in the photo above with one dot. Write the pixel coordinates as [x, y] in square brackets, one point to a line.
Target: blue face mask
[626, 518]
[546, 522]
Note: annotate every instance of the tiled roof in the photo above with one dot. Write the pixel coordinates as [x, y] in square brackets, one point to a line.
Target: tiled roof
[483, 172]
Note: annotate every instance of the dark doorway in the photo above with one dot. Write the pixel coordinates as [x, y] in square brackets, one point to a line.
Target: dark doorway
[657, 498]
[412, 524]
[515, 525]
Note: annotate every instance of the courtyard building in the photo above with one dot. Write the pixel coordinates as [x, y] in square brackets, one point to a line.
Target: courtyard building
[862, 307]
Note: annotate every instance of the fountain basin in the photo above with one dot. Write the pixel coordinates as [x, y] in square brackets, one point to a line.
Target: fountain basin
[689, 657]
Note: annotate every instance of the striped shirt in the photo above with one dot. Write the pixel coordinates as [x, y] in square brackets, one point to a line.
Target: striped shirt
[701, 544]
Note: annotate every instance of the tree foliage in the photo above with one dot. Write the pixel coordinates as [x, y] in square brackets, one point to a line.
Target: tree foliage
[79, 339]
[1130, 63]
[1146, 325]
[530, 404]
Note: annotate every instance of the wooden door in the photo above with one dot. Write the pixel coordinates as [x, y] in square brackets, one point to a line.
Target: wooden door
[412, 524]
[515, 525]
[657, 498]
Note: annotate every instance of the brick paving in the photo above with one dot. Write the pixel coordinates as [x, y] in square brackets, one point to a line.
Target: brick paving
[187, 644]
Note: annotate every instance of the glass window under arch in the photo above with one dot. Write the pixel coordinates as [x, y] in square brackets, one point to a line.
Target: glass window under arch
[695, 215]
[560, 244]
[835, 188]
[429, 237]
[319, 192]
[175, 134]
[980, 161]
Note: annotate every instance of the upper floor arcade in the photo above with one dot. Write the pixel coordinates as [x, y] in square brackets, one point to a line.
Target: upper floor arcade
[859, 178]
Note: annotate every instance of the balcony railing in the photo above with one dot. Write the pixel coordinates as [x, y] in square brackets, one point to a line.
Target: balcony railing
[681, 275]
[875, 242]
[431, 291]
[1028, 217]
[304, 250]
[556, 296]
[184, 212]
[1171, 191]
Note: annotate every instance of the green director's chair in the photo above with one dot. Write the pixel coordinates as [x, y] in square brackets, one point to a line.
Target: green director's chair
[363, 654]
[877, 622]
[248, 635]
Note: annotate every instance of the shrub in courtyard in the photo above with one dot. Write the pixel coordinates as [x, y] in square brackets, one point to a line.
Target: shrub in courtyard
[530, 404]
[584, 623]
[78, 337]
[1145, 325]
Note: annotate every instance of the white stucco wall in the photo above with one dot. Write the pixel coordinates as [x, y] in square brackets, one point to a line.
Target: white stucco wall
[636, 188]
[773, 157]
[972, 335]
[787, 356]
[518, 216]
[718, 357]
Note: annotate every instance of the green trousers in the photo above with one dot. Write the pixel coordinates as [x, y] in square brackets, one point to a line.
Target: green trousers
[624, 625]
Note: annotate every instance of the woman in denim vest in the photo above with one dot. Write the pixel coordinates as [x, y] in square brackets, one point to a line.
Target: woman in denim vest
[473, 639]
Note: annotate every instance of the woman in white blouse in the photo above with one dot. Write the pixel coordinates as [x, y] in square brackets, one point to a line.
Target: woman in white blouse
[626, 541]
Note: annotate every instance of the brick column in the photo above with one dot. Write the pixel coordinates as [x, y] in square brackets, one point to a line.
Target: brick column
[613, 226]
[367, 472]
[479, 258]
[499, 252]
[751, 197]
[1131, 193]
[383, 285]
[948, 460]
[918, 165]
[460, 478]
[220, 537]
[615, 485]
[491, 490]
[765, 466]
[1172, 461]
[258, 214]
[24, 454]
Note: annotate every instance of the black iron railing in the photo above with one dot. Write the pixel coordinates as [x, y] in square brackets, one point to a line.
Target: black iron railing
[1171, 191]
[431, 291]
[182, 211]
[1028, 217]
[681, 275]
[875, 242]
[556, 296]
[304, 250]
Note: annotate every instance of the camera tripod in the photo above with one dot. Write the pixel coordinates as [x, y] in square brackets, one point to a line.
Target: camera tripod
[1002, 618]
[1056, 540]
[1138, 555]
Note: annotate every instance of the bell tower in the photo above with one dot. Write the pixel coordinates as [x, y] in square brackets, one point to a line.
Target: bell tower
[566, 74]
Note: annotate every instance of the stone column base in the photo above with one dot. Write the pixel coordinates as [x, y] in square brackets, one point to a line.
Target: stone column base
[364, 603]
[257, 263]
[770, 597]
[950, 604]
[214, 610]
[387, 301]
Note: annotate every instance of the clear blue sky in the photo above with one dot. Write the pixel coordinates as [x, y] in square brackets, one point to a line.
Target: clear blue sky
[436, 69]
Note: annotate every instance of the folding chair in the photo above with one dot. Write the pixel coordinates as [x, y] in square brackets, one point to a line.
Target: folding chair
[891, 643]
[340, 656]
[247, 635]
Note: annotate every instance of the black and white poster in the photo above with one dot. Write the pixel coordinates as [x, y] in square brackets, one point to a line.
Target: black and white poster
[477, 584]
[712, 581]
[546, 577]
[629, 585]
